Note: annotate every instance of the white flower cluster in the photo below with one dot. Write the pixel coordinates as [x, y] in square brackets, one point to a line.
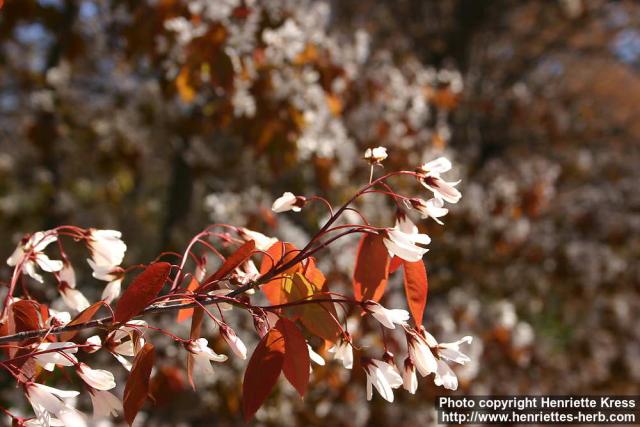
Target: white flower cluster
[107, 252]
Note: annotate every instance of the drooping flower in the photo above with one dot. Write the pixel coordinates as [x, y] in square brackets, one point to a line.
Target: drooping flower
[288, 202]
[57, 318]
[67, 275]
[387, 317]
[409, 377]
[445, 376]
[403, 239]
[383, 377]
[57, 353]
[236, 344]
[93, 343]
[451, 351]
[203, 355]
[342, 351]
[262, 242]
[315, 357]
[432, 208]
[421, 355]
[73, 298]
[107, 247]
[247, 273]
[50, 408]
[112, 274]
[105, 404]
[118, 344]
[30, 252]
[429, 176]
[375, 156]
[96, 378]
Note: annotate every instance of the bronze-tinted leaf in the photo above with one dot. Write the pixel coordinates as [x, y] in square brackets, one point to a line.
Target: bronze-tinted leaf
[296, 355]
[416, 287]
[145, 287]
[372, 268]
[262, 372]
[232, 262]
[137, 387]
[82, 317]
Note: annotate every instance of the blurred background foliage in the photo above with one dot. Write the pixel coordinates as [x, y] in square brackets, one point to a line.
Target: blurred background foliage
[158, 117]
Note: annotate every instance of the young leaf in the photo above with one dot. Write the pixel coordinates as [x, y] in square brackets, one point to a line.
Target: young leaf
[262, 372]
[416, 287]
[82, 317]
[274, 289]
[296, 356]
[395, 264]
[26, 315]
[318, 317]
[137, 387]
[145, 287]
[186, 313]
[313, 274]
[232, 262]
[372, 268]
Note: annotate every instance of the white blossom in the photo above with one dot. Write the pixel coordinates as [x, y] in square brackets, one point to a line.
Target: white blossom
[203, 356]
[73, 298]
[387, 317]
[29, 252]
[451, 351]
[430, 178]
[403, 239]
[96, 378]
[94, 344]
[105, 404]
[421, 355]
[445, 376]
[409, 377]
[109, 273]
[59, 353]
[67, 275]
[236, 344]
[315, 357]
[288, 202]
[58, 318]
[262, 242]
[120, 348]
[343, 352]
[383, 377]
[107, 247]
[432, 208]
[375, 156]
[247, 272]
[50, 408]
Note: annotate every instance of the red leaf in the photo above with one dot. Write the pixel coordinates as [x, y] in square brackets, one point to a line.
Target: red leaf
[145, 287]
[274, 288]
[395, 264]
[296, 355]
[416, 287]
[232, 262]
[82, 317]
[23, 316]
[262, 372]
[313, 274]
[137, 388]
[372, 268]
[186, 313]
[26, 315]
